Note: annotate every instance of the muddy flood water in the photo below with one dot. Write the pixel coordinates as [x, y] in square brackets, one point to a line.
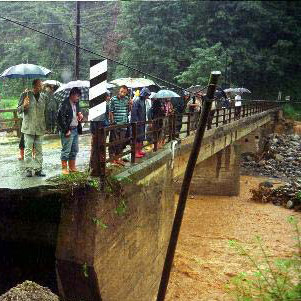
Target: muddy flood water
[205, 262]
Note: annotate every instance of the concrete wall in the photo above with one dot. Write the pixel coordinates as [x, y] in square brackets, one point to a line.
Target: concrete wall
[115, 257]
[219, 174]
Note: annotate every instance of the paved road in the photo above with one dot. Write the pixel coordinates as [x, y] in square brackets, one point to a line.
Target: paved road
[12, 170]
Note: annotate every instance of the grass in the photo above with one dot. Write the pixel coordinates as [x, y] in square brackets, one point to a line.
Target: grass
[292, 111]
[8, 103]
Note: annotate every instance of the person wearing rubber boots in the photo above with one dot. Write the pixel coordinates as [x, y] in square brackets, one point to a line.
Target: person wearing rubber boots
[32, 105]
[69, 122]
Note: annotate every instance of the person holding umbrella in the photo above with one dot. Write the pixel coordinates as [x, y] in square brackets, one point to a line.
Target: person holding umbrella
[69, 122]
[32, 106]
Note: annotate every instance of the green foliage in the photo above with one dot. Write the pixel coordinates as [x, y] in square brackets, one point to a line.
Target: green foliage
[76, 180]
[19, 45]
[206, 60]
[85, 270]
[278, 280]
[98, 222]
[254, 43]
[121, 208]
[292, 111]
[9, 103]
[298, 196]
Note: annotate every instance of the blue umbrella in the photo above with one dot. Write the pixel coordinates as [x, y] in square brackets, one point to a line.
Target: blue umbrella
[25, 71]
[165, 94]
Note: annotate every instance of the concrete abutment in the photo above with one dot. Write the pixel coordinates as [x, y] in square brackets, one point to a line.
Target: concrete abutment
[219, 174]
[114, 246]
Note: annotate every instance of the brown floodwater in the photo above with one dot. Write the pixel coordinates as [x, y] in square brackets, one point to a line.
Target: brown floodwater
[204, 261]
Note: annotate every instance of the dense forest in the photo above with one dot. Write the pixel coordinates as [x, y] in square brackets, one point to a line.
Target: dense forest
[256, 44]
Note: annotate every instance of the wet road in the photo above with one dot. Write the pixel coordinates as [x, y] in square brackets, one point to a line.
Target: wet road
[12, 170]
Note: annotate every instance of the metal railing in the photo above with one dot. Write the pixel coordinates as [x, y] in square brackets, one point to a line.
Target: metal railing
[166, 129]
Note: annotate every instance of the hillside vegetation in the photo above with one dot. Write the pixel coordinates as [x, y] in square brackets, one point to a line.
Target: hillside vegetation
[254, 43]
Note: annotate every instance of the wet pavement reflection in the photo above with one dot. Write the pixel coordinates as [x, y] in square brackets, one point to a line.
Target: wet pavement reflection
[12, 174]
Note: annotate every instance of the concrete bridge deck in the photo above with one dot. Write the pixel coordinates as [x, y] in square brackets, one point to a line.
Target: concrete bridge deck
[12, 170]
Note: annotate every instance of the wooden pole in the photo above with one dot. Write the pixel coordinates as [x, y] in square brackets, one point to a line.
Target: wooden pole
[186, 184]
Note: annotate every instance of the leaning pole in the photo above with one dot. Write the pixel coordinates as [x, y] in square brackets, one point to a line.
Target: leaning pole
[186, 184]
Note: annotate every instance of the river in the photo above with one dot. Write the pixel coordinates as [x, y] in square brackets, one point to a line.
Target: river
[204, 261]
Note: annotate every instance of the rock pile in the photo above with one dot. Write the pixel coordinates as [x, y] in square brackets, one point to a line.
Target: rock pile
[29, 291]
[281, 158]
[287, 195]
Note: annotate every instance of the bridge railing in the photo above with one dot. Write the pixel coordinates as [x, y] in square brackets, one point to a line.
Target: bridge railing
[164, 129]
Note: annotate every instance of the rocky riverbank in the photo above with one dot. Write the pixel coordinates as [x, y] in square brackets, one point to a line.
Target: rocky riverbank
[281, 158]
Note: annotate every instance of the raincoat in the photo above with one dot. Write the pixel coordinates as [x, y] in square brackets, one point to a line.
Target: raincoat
[139, 114]
[34, 116]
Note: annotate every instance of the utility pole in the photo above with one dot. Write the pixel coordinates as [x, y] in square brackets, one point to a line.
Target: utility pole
[226, 67]
[77, 39]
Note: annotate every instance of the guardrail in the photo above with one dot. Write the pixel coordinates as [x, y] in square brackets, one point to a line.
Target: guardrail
[166, 129]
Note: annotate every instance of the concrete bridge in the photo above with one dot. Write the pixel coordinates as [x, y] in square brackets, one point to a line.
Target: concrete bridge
[111, 245]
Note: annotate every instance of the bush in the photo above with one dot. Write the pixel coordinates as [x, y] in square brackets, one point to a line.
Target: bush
[292, 111]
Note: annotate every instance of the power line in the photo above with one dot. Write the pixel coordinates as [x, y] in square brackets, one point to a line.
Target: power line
[92, 52]
[85, 28]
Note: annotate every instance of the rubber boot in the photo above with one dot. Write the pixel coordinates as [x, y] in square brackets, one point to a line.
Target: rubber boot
[64, 168]
[137, 153]
[72, 167]
[21, 156]
[140, 149]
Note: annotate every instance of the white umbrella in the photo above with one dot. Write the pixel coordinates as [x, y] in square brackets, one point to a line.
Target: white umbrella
[195, 89]
[25, 71]
[166, 94]
[130, 82]
[152, 95]
[52, 82]
[110, 86]
[237, 90]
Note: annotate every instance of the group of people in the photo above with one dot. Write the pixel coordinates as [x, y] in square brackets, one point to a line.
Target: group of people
[31, 106]
[126, 107]
[138, 107]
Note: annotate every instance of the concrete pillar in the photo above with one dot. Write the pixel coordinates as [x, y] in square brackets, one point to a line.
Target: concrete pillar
[219, 174]
[251, 142]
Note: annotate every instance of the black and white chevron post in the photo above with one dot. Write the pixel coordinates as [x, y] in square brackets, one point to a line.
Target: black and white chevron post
[98, 87]
[97, 108]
